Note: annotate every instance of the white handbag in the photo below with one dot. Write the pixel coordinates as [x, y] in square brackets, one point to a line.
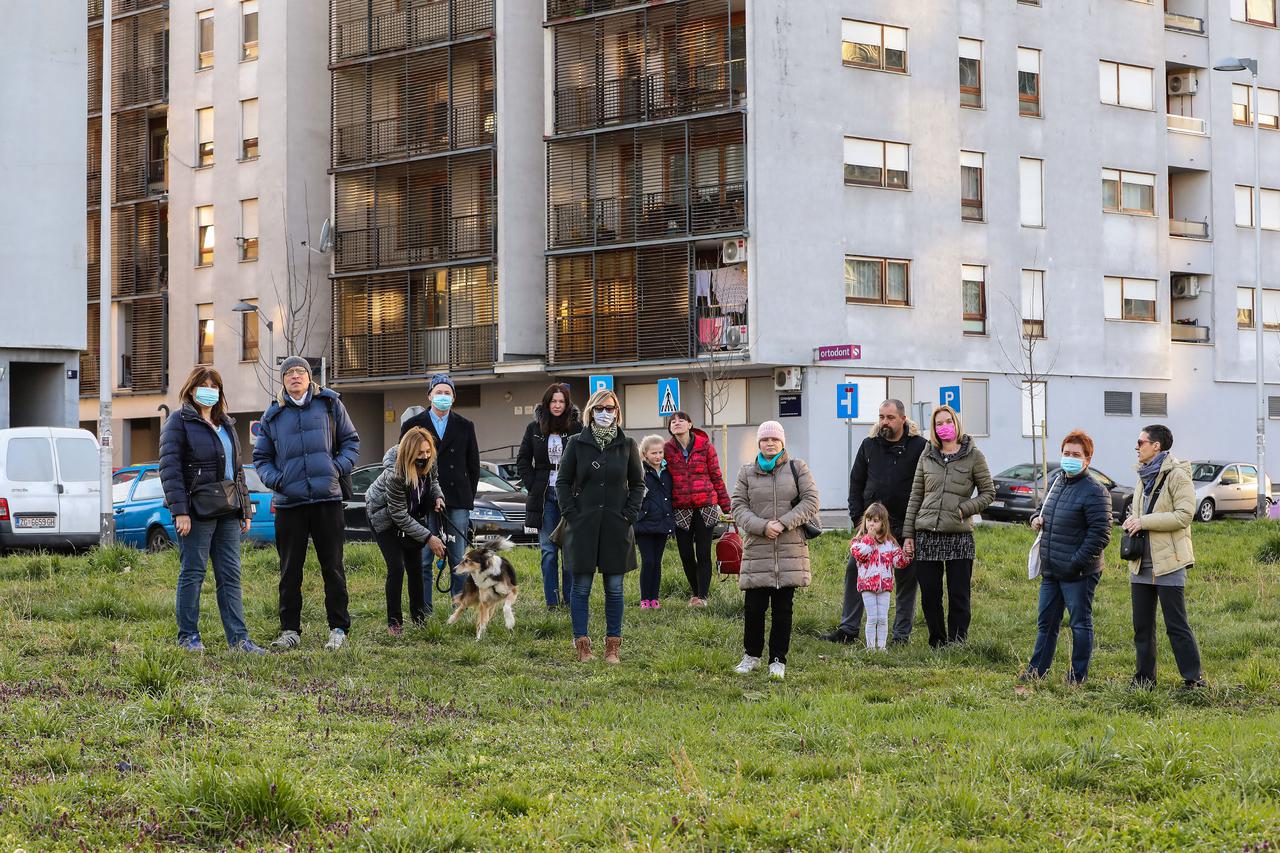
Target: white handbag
[1033, 557]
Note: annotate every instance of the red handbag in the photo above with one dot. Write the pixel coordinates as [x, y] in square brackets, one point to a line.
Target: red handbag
[729, 552]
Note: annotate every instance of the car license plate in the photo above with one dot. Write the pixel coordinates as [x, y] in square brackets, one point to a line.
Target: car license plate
[528, 529]
[997, 505]
[35, 521]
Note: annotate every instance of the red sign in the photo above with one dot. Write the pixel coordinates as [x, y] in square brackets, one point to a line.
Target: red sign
[840, 352]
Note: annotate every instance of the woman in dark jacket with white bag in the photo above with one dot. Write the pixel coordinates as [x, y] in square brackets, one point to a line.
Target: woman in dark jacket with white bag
[1075, 527]
[205, 490]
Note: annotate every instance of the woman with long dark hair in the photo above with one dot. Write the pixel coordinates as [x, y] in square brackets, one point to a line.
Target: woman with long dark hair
[205, 489]
[555, 420]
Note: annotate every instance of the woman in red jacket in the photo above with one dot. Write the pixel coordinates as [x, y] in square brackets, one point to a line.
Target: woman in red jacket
[697, 489]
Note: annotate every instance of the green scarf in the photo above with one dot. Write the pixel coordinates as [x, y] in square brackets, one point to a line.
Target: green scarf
[604, 437]
[766, 464]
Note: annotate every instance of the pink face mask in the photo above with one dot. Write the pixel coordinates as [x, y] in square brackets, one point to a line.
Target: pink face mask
[946, 432]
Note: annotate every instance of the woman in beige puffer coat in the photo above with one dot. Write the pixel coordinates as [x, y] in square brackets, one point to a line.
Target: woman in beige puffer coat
[773, 498]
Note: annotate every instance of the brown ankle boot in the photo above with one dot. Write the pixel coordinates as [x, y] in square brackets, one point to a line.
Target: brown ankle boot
[583, 645]
[611, 646]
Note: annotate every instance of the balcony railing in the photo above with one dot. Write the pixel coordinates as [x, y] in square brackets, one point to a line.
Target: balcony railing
[416, 352]
[628, 100]
[721, 332]
[1189, 228]
[649, 216]
[567, 8]
[414, 243]
[1189, 333]
[1183, 23]
[1188, 124]
[424, 22]
[393, 138]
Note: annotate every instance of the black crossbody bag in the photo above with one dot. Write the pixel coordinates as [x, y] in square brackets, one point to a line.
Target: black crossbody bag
[215, 500]
[1134, 545]
[812, 528]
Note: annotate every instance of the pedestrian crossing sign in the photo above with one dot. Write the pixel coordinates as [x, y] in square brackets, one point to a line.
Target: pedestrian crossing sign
[668, 397]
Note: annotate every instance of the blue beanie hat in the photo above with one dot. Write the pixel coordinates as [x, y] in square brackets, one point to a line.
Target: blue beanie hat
[441, 379]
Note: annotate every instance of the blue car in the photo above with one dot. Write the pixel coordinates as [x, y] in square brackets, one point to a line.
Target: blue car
[143, 521]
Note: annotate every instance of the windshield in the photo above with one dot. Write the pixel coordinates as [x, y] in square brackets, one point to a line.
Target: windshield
[491, 482]
[1025, 473]
[1205, 472]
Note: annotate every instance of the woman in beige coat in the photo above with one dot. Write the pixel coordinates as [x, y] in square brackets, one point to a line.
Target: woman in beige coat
[774, 496]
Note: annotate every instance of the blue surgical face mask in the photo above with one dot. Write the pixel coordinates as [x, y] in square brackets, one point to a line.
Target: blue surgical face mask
[206, 396]
[442, 402]
[1071, 466]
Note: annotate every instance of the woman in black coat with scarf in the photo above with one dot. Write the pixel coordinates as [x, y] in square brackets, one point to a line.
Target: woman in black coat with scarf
[555, 421]
[600, 485]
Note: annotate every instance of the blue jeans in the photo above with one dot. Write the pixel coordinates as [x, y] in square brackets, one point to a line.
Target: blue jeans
[1077, 597]
[579, 604]
[551, 556]
[218, 538]
[435, 523]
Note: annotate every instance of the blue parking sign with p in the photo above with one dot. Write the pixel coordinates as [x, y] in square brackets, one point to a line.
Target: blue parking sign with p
[600, 382]
[949, 395]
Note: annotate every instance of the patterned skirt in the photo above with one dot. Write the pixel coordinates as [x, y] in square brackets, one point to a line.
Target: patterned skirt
[939, 547]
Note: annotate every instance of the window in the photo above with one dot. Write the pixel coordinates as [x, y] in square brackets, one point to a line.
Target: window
[1248, 475]
[149, 487]
[1244, 307]
[872, 163]
[1028, 81]
[1128, 192]
[1129, 298]
[880, 281]
[204, 137]
[1268, 106]
[1254, 11]
[29, 460]
[1270, 208]
[204, 39]
[249, 129]
[1125, 85]
[724, 402]
[1032, 298]
[249, 30]
[640, 407]
[248, 230]
[204, 333]
[867, 45]
[1271, 310]
[973, 283]
[249, 333]
[1153, 404]
[971, 186]
[1034, 408]
[973, 397]
[204, 236]
[874, 390]
[970, 73]
[1031, 191]
[1117, 403]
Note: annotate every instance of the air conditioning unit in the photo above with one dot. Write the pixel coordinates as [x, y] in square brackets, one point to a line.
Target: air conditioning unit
[734, 337]
[788, 378]
[734, 251]
[1185, 286]
[1182, 84]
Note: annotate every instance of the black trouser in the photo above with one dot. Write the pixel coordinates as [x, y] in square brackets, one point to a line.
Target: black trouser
[695, 554]
[651, 546]
[953, 626]
[904, 602]
[404, 557]
[757, 602]
[322, 524]
[1173, 604]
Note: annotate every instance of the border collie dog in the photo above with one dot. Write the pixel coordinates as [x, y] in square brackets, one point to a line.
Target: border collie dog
[491, 580]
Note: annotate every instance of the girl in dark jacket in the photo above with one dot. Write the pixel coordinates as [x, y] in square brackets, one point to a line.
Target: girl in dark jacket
[554, 422]
[398, 505]
[657, 520]
[601, 486]
[698, 488]
[205, 490]
[1075, 527]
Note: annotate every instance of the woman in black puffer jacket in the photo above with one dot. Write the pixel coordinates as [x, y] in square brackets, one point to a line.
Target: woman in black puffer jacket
[205, 490]
[1075, 527]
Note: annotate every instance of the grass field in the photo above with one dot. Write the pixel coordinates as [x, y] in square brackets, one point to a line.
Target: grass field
[113, 738]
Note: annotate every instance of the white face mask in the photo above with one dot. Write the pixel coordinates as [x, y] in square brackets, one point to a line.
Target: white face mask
[603, 419]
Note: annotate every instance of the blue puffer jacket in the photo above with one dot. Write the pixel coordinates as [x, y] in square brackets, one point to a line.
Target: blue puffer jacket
[191, 455]
[295, 453]
[1077, 527]
[656, 515]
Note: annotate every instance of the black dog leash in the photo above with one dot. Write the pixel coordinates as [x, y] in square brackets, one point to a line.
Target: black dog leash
[442, 563]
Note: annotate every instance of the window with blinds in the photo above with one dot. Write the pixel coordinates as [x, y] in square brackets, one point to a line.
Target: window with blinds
[361, 28]
[140, 245]
[140, 59]
[1119, 403]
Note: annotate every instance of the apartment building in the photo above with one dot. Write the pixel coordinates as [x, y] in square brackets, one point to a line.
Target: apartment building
[41, 216]
[221, 193]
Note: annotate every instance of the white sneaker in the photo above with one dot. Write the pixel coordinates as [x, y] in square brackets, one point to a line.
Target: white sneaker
[748, 663]
[286, 641]
[778, 670]
[337, 638]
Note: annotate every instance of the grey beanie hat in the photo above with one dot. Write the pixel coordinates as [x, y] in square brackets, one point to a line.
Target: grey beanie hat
[294, 361]
[441, 379]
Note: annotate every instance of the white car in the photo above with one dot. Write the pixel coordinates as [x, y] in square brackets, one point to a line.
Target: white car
[48, 488]
[1223, 487]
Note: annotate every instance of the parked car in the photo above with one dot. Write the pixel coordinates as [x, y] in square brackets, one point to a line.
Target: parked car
[505, 469]
[1016, 492]
[143, 520]
[499, 509]
[49, 488]
[1223, 487]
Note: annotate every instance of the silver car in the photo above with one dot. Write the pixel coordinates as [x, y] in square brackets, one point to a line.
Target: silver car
[1223, 487]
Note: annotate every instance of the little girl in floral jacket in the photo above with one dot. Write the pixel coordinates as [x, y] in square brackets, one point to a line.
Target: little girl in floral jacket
[877, 555]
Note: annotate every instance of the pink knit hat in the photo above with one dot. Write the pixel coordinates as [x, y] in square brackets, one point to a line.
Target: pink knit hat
[771, 429]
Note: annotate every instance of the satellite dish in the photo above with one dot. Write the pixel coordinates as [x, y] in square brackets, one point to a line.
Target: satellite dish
[326, 236]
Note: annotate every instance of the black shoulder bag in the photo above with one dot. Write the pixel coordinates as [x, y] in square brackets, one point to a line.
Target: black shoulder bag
[344, 480]
[1134, 545]
[812, 528]
[215, 500]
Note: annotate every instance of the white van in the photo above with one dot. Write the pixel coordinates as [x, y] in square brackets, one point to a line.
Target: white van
[48, 488]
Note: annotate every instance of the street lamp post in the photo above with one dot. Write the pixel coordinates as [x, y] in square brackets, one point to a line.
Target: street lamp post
[1251, 65]
[250, 308]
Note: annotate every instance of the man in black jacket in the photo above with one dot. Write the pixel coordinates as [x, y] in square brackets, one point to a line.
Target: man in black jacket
[459, 468]
[883, 471]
